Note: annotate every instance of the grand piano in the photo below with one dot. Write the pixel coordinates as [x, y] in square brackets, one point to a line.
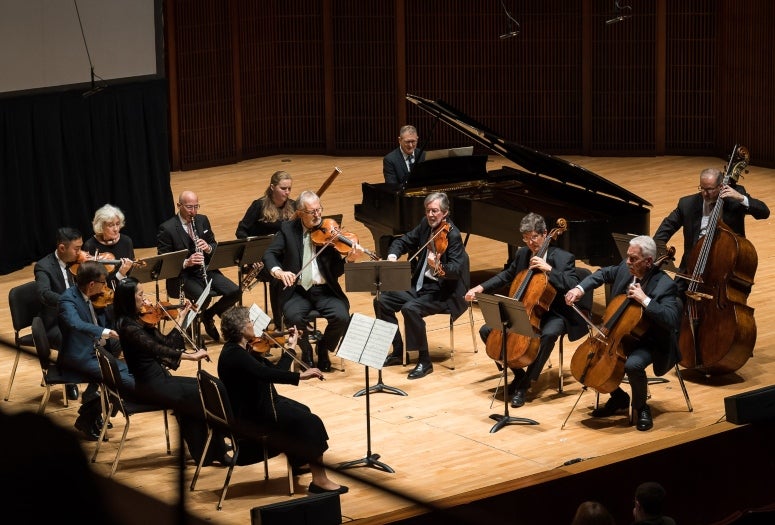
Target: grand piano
[492, 203]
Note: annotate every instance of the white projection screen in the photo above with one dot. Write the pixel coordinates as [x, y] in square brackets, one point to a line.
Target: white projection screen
[41, 45]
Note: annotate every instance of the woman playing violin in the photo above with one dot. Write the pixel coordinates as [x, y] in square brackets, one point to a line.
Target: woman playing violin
[559, 267]
[250, 380]
[641, 282]
[150, 355]
[440, 278]
[107, 223]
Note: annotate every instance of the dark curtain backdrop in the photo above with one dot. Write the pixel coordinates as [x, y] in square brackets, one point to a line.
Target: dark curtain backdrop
[63, 156]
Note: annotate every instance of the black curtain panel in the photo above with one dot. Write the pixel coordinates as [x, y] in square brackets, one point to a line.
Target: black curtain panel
[63, 155]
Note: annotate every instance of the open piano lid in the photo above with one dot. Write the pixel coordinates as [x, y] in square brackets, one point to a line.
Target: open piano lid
[535, 162]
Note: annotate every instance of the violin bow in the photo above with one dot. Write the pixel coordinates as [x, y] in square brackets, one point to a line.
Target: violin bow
[433, 237]
[182, 332]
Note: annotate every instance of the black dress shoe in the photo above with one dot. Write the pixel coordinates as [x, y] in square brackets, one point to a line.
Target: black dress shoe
[72, 391]
[393, 360]
[644, 418]
[87, 430]
[614, 404]
[306, 358]
[324, 366]
[212, 331]
[315, 489]
[421, 370]
[519, 399]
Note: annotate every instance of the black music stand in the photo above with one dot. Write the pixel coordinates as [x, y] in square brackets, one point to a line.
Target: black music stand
[510, 314]
[253, 253]
[367, 342]
[378, 276]
[157, 267]
[227, 253]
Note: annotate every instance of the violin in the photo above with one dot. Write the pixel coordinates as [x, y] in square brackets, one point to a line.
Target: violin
[329, 233]
[440, 244]
[151, 314]
[261, 344]
[102, 299]
[106, 258]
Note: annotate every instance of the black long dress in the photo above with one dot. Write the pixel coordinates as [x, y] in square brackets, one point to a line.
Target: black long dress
[149, 354]
[291, 427]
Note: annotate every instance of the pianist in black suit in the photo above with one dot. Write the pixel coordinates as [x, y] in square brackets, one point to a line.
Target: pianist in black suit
[397, 164]
[693, 211]
[559, 267]
[433, 291]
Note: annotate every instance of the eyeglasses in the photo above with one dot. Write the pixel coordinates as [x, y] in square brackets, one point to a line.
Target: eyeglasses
[531, 238]
[316, 211]
[708, 190]
[191, 206]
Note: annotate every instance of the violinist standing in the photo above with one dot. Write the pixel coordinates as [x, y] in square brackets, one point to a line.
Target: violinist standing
[317, 285]
[150, 355]
[433, 291]
[693, 211]
[190, 230]
[83, 328]
[560, 269]
[642, 282]
[107, 223]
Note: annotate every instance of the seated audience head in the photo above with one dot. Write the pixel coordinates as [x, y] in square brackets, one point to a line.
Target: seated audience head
[592, 513]
[649, 500]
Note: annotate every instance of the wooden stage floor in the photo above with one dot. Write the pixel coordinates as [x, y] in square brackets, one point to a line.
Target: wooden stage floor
[437, 438]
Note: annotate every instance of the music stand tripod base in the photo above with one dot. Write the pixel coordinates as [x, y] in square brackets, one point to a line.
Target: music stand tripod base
[381, 387]
[372, 460]
[505, 419]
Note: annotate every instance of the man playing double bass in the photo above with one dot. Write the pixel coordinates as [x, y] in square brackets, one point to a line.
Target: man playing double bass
[642, 282]
[560, 270]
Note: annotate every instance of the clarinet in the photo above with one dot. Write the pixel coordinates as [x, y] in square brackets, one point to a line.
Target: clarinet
[198, 249]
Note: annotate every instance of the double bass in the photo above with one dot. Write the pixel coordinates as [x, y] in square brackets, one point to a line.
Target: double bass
[533, 289]
[598, 362]
[718, 330]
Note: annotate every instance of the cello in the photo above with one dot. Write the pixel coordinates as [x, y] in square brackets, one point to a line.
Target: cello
[532, 288]
[718, 331]
[598, 362]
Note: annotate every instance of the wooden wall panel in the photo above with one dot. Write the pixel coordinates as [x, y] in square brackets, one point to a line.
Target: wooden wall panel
[330, 76]
[205, 96]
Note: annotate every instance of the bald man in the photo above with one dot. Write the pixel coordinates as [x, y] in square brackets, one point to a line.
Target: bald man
[190, 230]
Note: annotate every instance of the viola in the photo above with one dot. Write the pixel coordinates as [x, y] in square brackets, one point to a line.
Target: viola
[261, 344]
[329, 233]
[106, 258]
[440, 243]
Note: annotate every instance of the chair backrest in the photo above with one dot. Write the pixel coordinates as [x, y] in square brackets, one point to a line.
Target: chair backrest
[42, 347]
[24, 302]
[215, 400]
[585, 303]
[109, 370]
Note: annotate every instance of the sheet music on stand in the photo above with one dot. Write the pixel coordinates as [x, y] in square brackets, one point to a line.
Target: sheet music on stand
[367, 341]
[259, 318]
[199, 302]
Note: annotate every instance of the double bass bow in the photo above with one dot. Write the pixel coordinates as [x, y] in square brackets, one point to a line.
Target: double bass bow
[718, 331]
[598, 362]
[533, 289]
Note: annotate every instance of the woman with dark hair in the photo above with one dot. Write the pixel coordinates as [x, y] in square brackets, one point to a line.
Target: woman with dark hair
[249, 379]
[149, 355]
[592, 513]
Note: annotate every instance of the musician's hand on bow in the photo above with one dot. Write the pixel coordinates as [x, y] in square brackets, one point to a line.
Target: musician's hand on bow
[196, 356]
[573, 295]
[471, 294]
[538, 263]
[310, 373]
[288, 278]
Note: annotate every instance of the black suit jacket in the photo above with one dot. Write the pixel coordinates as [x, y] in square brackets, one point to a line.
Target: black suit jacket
[173, 237]
[51, 285]
[664, 310]
[454, 261]
[688, 215]
[394, 165]
[562, 278]
[286, 251]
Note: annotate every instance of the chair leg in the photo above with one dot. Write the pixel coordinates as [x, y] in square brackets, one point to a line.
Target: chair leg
[290, 476]
[121, 443]
[65, 400]
[683, 388]
[44, 400]
[202, 459]
[167, 432]
[107, 409]
[225, 486]
[452, 340]
[13, 373]
[471, 323]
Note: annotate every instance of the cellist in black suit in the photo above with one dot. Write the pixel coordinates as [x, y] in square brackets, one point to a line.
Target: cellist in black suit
[641, 281]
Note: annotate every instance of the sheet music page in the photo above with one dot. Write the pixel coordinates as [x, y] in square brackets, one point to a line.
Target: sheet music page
[259, 318]
[367, 341]
[199, 302]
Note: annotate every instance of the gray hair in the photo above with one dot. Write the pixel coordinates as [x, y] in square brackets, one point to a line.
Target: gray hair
[646, 244]
[438, 196]
[306, 197]
[712, 172]
[532, 222]
[407, 129]
[105, 214]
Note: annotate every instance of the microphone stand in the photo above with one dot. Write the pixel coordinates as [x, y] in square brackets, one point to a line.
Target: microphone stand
[94, 88]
